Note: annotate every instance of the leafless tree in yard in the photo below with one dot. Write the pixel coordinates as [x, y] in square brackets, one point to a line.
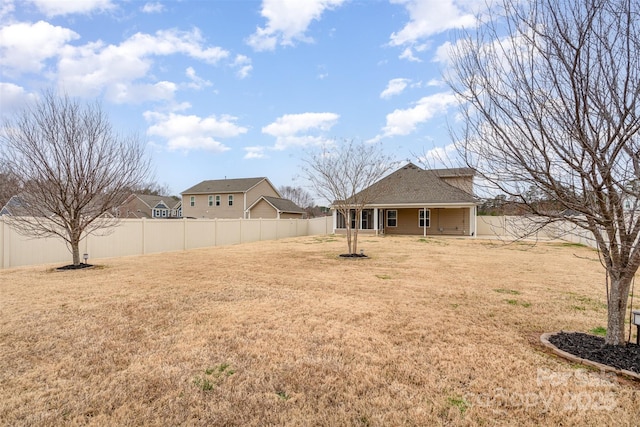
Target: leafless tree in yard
[550, 95]
[299, 196]
[72, 168]
[9, 185]
[343, 173]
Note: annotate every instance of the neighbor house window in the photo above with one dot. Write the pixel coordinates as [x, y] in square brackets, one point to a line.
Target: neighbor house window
[192, 200]
[217, 200]
[230, 200]
[392, 218]
[424, 218]
[156, 213]
[210, 200]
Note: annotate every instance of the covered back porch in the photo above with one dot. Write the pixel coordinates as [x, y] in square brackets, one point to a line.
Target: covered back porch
[437, 220]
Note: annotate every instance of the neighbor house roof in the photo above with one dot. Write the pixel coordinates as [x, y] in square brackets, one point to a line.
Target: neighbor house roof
[237, 185]
[283, 205]
[413, 185]
[153, 201]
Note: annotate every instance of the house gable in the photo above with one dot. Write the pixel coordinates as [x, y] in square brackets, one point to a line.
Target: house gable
[414, 185]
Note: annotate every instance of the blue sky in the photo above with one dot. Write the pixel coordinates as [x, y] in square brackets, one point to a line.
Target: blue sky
[242, 88]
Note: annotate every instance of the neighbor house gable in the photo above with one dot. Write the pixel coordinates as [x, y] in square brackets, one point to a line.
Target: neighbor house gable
[275, 207]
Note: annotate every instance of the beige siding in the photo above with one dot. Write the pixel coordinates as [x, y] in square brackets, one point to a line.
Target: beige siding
[263, 210]
[203, 210]
[442, 222]
[263, 188]
[291, 215]
[465, 183]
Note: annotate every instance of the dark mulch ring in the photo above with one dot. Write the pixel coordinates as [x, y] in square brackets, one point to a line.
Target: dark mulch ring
[593, 348]
[353, 256]
[74, 267]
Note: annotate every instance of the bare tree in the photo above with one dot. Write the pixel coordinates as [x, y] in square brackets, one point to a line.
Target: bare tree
[9, 185]
[344, 175]
[72, 168]
[297, 195]
[551, 96]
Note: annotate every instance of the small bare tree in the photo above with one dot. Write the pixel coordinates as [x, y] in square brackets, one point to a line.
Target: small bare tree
[299, 196]
[344, 175]
[71, 167]
[9, 185]
[551, 99]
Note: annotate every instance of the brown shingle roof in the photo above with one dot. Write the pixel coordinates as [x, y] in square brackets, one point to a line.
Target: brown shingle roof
[412, 184]
[283, 205]
[237, 185]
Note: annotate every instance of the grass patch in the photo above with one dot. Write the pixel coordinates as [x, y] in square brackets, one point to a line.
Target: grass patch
[458, 402]
[600, 331]
[383, 276]
[282, 395]
[516, 302]
[213, 377]
[507, 291]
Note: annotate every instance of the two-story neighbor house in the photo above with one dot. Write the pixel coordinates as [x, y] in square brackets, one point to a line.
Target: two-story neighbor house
[237, 198]
[413, 200]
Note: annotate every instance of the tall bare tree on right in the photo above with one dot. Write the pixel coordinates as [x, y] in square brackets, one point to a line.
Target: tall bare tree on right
[551, 100]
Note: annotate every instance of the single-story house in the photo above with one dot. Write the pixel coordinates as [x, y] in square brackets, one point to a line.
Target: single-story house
[237, 198]
[418, 201]
[149, 206]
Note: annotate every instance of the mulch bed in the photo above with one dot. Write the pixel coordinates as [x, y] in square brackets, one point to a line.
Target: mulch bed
[593, 348]
[74, 267]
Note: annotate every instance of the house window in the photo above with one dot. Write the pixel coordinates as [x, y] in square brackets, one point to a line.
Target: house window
[164, 213]
[392, 218]
[156, 213]
[210, 200]
[217, 200]
[230, 199]
[424, 218]
[192, 201]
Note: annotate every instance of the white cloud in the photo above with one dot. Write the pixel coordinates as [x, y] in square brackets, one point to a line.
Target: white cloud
[395, 87]
[407, 54]
[153, 7]
[66, 7]
[13, 98]
[244, 66]
[130, 93]
[256, 152]
[287, 21]
[24, 47]
[404, 122]
[196, 81]
[191, 132]
[87, 69]
[438, 156]
[299, 130]
[429, 17]
[6, 8]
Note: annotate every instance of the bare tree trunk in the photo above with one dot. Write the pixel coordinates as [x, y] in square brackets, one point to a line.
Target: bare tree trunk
[617, 310]
[75, 250]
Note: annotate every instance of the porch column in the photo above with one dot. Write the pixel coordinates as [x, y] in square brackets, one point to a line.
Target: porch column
[335, 220]
[473, 221]
[424, 222]
[375, 220]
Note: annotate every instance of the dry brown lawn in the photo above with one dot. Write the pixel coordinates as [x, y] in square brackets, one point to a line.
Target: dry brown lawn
[424, 332]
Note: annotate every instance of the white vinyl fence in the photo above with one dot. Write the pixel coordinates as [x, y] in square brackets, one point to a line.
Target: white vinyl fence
[143, 236]
[512, 227]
